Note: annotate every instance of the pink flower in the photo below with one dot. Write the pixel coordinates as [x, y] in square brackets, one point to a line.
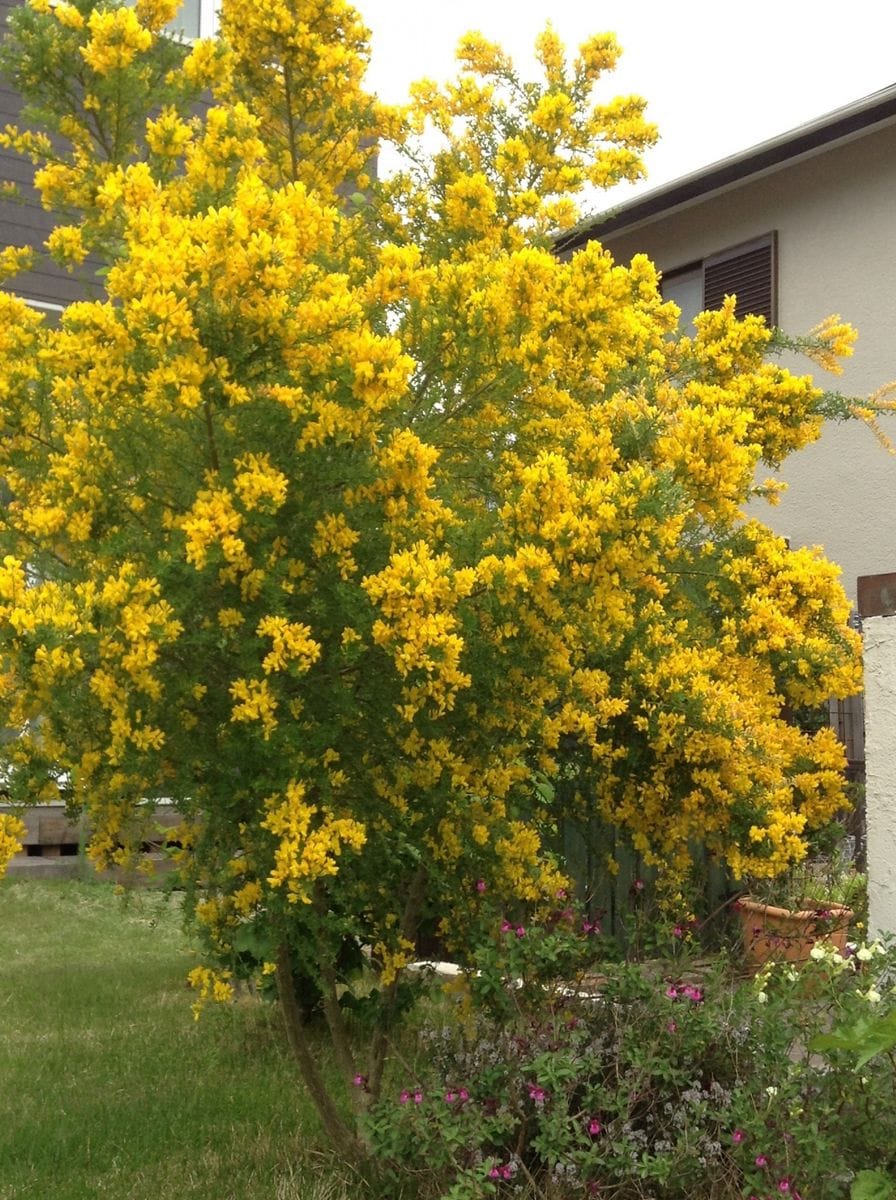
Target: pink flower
[521, 931]
[672, 991]
[738, 1136]
[360, 1081]
[404, 1097]
[450, 1097]
[506, 926]
[678, 932]
[692, 993]
[463, 1095]
[672, 1027]
[418, 1097]
[638, 885]
[481, 886]
[494, 1173]
[594, 1127]
[783, 1185]
[561, 893]
[760, 1160]
[536, 1093]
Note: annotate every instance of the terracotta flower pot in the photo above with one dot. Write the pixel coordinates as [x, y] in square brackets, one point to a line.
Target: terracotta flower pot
[788, 935]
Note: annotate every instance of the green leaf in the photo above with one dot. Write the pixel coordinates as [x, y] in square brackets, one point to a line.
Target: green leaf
[872, 1185]
[867, 1037]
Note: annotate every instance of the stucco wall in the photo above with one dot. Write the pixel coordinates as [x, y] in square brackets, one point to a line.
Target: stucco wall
[836, 224]
[880, 770]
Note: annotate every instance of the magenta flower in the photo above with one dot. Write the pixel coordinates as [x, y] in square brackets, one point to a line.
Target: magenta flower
[760, 1160]
[360, 1081]
[520, 931]
[463, 1095]
[672, 991]
[678, 932]
[672, 1027]
[738, 1136]
[638, 885]
[418, 1097]
[783, 1185]
[506, 926]
[404, 1097]
[481, 886]
[536, 1093]
[450, 1097]
[594, 1127]
[561, 893]
[692, 993]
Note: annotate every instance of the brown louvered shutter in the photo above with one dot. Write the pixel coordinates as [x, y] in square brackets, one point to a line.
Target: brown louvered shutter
[747, 271]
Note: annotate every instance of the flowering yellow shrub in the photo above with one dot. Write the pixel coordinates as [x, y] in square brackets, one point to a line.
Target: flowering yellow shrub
[350, 517]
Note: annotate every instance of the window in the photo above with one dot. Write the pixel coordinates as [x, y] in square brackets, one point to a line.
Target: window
[748, 271]
[195, 19]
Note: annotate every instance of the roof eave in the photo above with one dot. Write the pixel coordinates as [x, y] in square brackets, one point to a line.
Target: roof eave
[841, 125]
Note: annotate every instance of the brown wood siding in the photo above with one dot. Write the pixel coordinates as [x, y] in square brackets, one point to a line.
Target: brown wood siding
[24, 222]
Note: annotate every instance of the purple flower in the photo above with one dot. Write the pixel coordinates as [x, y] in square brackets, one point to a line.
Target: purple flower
[594, 1127]
[418, 1097]
[536, 1093]
[506, 926]
[404, 1097]
[481, 886]
[783, 1185]
[678, 932]
[463, 1095]
[520, 931]
[360, 1081]
[760, 1160]
[738, 1136]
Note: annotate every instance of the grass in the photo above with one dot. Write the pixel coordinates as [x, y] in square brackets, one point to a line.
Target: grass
[110, 1089]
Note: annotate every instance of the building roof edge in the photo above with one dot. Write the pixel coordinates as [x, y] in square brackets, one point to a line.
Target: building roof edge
[841, 124]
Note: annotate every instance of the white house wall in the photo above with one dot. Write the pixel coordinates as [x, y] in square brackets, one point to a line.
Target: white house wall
[836, 222]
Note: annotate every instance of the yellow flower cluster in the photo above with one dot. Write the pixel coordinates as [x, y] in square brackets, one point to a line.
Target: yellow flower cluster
[211, 985]
[310, 841]
[116, 38]
[12, 830]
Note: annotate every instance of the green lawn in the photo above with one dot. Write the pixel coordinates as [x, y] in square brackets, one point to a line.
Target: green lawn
[110, 1088]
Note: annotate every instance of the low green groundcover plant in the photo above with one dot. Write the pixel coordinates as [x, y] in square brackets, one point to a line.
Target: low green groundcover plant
[647, 1081]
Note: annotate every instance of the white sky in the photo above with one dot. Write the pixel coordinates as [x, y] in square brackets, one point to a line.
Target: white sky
[719, 76]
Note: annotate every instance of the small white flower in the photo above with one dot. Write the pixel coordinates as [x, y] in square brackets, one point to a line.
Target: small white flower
[762, 997]
[771, 1091]
[864, 954]
[872, 996]
[817, 952]
[792, 975]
